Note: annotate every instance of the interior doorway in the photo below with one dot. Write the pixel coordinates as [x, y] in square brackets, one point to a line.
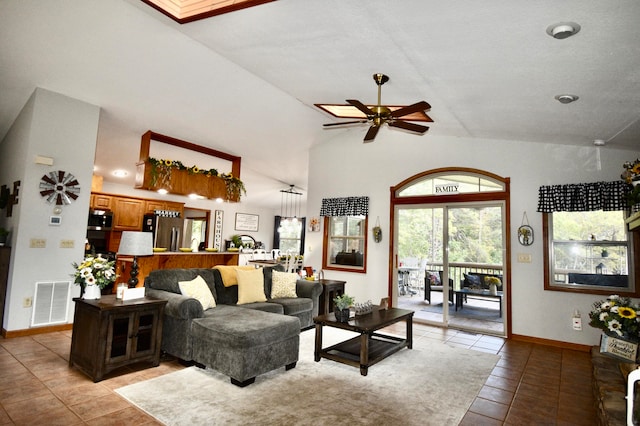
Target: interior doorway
[198, 220]
[448, 246]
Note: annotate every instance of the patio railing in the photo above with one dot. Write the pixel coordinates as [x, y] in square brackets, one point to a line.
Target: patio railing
[456, 270]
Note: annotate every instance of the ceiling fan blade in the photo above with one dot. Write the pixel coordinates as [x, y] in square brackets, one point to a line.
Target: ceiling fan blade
[408, 126]
[344, 122]
[362, 107]
[371, 134]
[419, 106]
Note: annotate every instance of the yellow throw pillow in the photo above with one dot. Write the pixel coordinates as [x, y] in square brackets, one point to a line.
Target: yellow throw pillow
[229, 275]
[283, 284]
[199, 290]
[250, 286]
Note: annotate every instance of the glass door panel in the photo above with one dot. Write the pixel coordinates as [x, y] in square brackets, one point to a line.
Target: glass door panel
[421, 277]
[476, 250]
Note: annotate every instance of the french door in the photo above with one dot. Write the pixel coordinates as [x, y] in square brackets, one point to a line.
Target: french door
[453, 236]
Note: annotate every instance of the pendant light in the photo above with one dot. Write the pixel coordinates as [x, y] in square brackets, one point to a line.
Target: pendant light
[289, 206]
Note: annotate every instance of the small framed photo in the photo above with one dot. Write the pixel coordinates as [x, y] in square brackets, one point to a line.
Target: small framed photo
[55, 220]
[384, 303]
[247, 222]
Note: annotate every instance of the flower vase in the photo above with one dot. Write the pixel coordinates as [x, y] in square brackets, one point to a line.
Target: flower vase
[91, 292]
[493, 289]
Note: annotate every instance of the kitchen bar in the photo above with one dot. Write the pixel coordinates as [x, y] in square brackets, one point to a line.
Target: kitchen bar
[171, 260]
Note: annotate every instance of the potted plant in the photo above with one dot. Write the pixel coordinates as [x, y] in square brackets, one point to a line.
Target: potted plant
[4, 235]
[341, 307]
[604, 252]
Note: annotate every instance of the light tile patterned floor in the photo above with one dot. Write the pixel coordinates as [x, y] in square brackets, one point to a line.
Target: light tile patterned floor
[532, 384]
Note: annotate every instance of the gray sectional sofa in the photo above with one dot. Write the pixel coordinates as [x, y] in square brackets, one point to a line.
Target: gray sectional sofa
[240, 341]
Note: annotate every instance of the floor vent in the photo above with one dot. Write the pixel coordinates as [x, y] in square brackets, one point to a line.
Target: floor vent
[51, 303]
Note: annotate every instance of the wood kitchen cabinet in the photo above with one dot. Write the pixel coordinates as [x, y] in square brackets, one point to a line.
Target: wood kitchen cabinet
[101, 202]
[109, 333]
[127, 214]
[150, 206]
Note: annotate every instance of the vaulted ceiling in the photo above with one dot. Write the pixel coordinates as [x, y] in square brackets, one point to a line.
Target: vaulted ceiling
[245, 82]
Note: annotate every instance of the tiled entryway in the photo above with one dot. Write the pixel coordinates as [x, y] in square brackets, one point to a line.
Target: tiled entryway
[532, 384]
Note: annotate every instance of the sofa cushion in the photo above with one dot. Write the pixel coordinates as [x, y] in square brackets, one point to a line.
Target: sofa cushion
[229, 274]
[477, 280]
[294, 306]
[274, 308]
[250, 286]
[434, 278]
[268, 276]
[283, 284]
[198, 289]
[168, 279]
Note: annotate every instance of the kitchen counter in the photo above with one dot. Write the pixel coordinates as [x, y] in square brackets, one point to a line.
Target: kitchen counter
[172, 260]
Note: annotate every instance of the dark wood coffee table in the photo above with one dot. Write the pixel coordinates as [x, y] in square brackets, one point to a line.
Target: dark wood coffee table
[370, 347]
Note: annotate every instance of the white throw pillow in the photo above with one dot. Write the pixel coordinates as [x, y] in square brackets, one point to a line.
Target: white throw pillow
[283, 284]
[250, 286]
[199, 290]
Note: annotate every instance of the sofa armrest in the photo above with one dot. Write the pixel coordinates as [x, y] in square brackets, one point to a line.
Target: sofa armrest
[178, 306]
[311, 290]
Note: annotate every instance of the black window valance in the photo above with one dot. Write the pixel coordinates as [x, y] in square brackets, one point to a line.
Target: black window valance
[345, 206]
[582, 197]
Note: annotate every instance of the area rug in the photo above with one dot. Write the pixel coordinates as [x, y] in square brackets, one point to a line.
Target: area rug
[469, 311]
[431, 384]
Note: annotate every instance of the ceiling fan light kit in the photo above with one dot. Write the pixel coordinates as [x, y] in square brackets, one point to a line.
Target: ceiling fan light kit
[379, 114]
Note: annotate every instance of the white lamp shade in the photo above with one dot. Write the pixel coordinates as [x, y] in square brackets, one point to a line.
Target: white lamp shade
[136, 244]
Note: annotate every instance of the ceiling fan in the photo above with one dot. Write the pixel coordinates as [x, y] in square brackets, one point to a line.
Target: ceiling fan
[377, 115]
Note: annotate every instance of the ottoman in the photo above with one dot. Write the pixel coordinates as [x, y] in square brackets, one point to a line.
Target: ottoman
[243, 343]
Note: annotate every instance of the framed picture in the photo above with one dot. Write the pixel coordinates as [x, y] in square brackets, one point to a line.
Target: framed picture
[246, 222]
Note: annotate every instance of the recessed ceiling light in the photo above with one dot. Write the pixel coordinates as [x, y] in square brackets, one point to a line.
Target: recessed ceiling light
[566, 99]
[563, 30]
[120, 173]
[599, 142]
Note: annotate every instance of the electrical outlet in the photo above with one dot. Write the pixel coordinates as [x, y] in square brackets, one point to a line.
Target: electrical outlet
[38, 243]
[67, 243]
[27, 302]
[524, 257]
[576, 321]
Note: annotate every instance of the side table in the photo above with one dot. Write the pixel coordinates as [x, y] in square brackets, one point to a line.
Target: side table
[330, 289]
[109, 333]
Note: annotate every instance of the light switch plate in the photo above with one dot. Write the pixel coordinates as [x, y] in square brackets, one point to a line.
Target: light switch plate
[524, 257]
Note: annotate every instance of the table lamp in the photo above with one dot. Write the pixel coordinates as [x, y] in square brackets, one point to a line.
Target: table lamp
[135, 244]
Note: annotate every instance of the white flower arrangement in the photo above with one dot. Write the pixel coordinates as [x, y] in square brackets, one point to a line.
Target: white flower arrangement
[95, 270]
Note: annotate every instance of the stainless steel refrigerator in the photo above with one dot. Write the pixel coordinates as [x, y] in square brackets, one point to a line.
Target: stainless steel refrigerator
[168, 232]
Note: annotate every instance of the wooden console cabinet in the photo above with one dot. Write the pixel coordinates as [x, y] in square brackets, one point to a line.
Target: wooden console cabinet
[109, 333]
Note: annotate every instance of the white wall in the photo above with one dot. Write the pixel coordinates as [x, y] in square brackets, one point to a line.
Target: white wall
[344, 166]
[64, 129]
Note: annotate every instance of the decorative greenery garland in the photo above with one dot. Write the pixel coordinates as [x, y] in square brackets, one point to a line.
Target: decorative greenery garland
[161, 173]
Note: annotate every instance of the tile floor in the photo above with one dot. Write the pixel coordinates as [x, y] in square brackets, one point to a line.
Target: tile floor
[531, 384]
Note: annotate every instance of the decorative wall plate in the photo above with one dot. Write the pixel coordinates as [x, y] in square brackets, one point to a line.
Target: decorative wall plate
[525, 235]
[59, 187]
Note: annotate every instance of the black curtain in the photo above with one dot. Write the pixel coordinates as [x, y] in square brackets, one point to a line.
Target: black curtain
[276, 234]
[345, 206]
[582, 197]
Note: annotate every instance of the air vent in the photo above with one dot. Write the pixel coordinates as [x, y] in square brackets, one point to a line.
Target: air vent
[51, 303]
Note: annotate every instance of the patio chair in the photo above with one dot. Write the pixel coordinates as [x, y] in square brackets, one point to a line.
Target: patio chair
[433, 282]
